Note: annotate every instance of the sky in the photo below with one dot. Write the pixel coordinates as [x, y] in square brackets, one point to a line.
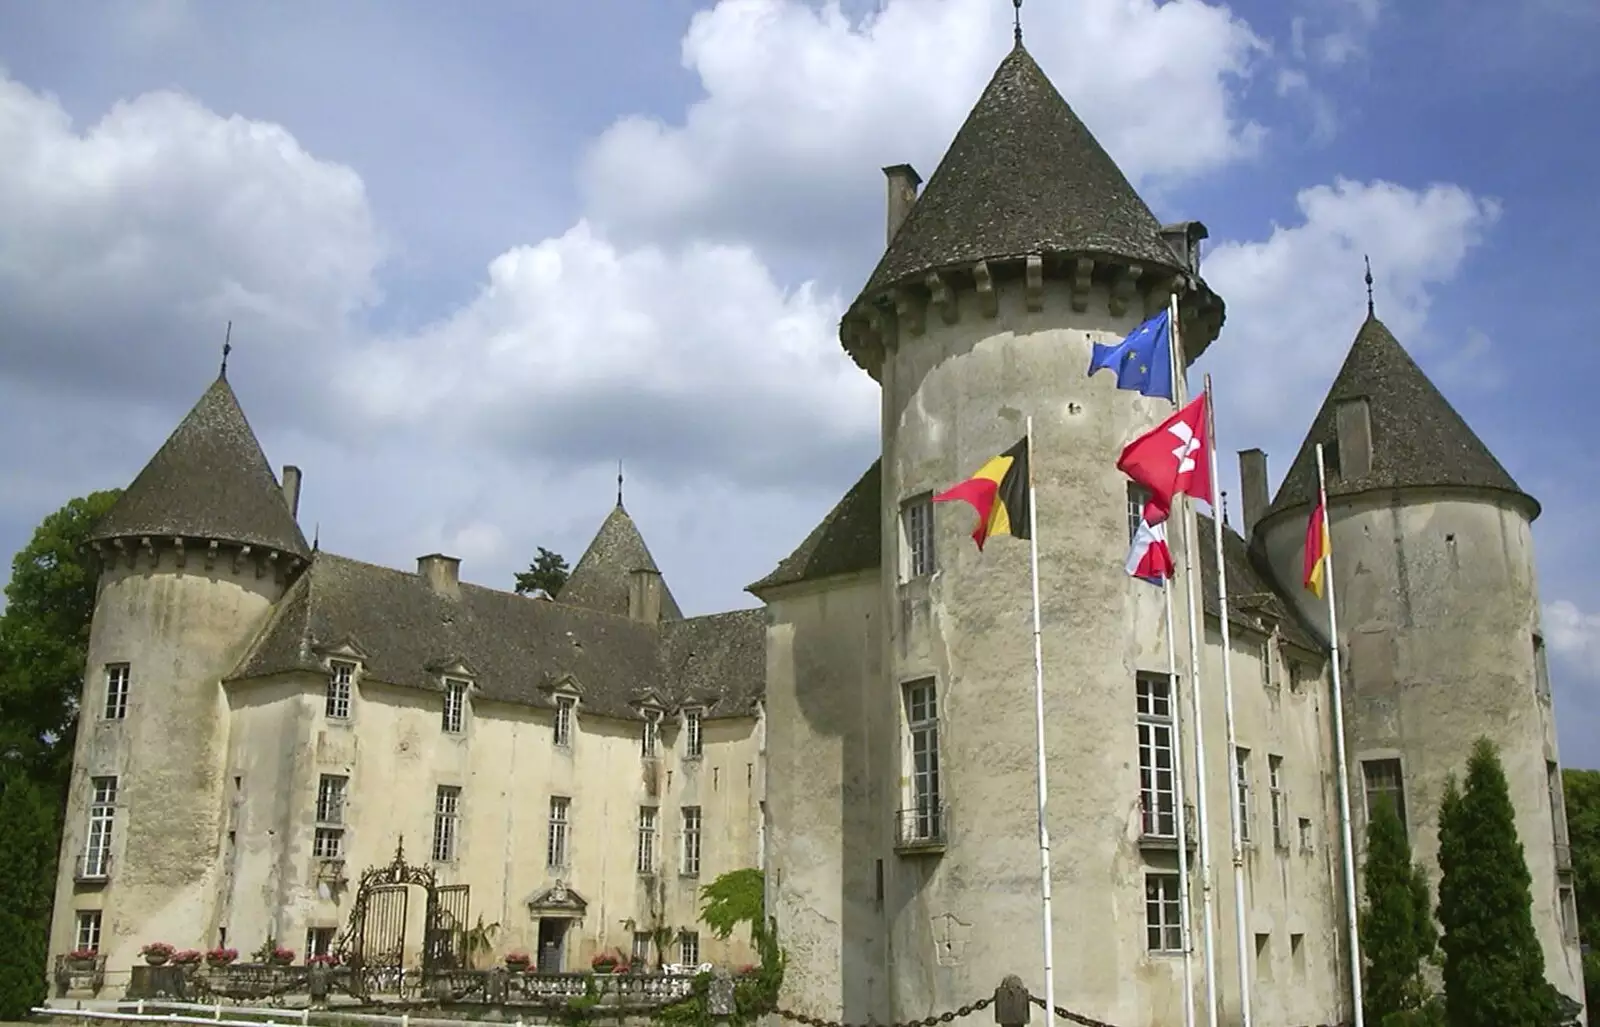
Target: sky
[475, 255]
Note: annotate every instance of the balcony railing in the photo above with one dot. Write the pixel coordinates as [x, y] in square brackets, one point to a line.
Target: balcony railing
[93, 865]
[922, 827]
[1159, 828]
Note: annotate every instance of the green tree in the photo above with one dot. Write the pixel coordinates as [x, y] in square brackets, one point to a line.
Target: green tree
[28, 834]
[547, 572]
[1582, 789]
[44, 638]
[734, 898]
[1493, 965]
[1398, 935]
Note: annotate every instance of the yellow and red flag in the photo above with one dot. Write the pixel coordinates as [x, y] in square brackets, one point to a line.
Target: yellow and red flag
[1317, 547]
[999, 492]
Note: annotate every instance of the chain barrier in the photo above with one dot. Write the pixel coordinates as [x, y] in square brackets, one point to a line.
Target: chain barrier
[927, 1021]
[1066, 1014]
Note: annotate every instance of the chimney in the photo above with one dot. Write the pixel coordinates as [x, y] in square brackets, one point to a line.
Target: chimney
[1353, 419]
[903, 182]
[1253, 498]
[291, 489]
[442, 573]
[644, 595]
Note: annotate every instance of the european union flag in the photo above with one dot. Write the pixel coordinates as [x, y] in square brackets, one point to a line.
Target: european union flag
[1143, 360]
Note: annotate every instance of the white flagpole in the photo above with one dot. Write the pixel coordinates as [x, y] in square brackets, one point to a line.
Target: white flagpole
[1237, 825]
[1038, 710]
[1177, 798]
[1339, 751]
[1190, 578]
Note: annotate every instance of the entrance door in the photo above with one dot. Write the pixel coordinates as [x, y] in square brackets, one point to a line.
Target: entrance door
[552, 944]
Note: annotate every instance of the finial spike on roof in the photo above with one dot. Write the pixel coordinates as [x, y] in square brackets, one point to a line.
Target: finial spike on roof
[619, 482]
[227, 347]
[1016, 21]
[1368, 260]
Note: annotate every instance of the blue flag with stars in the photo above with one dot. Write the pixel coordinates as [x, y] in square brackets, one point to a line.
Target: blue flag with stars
[1143, 361]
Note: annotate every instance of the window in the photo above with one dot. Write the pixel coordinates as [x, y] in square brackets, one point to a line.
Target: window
[691, 841]
[319, 941]
[564, 705]
[689, 948]
[1280, 802]
[1269, 679]
[647, 737]
[693, 743]
[1305, 834]
[1242, 768]
[455, 706]
[1541, 670]
[641, 948]
[1157, 783]
[1569, 913]
[560, 823]
[88, 930]
[646, 862]
[117, 678]
[328, 840]
[337, 704]
[102, 817]
[446, 823]
[1138, 496]
[916, 522]
[1163, 923]
[1383, 780]
[922, 723]
[1299, 674]
[1558, 812]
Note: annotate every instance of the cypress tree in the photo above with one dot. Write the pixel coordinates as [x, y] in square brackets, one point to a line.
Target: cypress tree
[1397, 929]
[1493, 965]
[28, 837]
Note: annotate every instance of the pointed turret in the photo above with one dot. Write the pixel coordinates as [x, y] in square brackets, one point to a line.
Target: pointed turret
[1384, 425]
[209, 480]
[617, 574]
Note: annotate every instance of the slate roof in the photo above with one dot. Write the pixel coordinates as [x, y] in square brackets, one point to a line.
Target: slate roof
[209, 480]
[1253, 599]
[517, 647]
[600, 581]
[849, 539]
[1418, 439]
[1024, 175]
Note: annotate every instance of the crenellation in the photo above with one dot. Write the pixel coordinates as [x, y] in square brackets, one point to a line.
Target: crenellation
[1033, 279]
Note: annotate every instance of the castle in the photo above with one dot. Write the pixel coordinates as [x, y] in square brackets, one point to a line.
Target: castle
[262, 718]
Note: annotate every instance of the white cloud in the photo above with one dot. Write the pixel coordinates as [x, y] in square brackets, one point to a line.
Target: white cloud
[1573, 634]
[802, 104]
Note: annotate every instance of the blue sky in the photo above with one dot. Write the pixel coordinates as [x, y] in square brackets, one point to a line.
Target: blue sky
[474, 255]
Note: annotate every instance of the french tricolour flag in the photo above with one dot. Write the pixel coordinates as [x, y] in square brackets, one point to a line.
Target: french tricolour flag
[1149, 558]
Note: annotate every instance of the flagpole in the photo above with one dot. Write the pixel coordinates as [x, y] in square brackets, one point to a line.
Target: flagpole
[1235, 822]
[1339, 749]
[1190, 577]
[1178, 796]
[1038, 710]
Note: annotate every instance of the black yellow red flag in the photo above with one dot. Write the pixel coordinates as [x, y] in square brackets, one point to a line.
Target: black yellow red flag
[1000, 494]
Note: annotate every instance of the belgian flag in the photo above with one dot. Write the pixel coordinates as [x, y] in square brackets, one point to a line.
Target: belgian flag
[1000, 494]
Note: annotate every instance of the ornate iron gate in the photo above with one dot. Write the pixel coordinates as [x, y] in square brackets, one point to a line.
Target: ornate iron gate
[373, 946]
[445, 936]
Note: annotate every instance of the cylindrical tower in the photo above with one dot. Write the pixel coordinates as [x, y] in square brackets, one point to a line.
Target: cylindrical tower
[1438, 614]
[192, 558]
[1027, 246]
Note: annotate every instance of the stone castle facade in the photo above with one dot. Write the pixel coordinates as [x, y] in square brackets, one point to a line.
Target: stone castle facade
[261, 719]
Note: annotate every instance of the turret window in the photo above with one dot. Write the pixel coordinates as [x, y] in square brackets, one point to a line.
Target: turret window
[95, 863]
[336, 705]
[118, 678]
[88, 930]
[1138, 496]
[1541, 670]
[1383, 780]
[916, 526]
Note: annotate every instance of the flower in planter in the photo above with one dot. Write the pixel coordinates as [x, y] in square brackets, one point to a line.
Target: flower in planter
[282, 955]
[188, 957]
[221, 956]
[327, 959]
[82, 955]
[158, 948]
[607, 961]
[518, 957]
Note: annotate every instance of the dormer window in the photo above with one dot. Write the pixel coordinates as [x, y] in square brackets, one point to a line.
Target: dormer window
[455, 706]
[564, 706]
[692, 742]
[336, 706]
[648, 736]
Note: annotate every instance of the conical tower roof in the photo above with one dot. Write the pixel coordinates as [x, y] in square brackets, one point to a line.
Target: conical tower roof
[600, 580]
[1418, 439]
[1023, 176]
[209, 480]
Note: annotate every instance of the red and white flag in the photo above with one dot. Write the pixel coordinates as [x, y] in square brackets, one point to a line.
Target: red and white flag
[1149, 558]
[1173, 457]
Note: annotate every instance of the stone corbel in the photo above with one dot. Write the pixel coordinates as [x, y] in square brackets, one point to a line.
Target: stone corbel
[908, 310]
[943, 297]
[1033, 282]
[120, 549]
[240, 555]
[1082, 279]
[988, 302]
[178, 554]
[211, 554]
[266, 562]
[1124, 286]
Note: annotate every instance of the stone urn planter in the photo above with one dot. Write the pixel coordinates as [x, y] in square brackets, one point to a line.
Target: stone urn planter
[157, 953]
[517, 963]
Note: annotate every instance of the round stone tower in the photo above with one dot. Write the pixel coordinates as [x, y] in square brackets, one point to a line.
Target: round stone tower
[1027, 246]
[192, 558]
[1433, 571]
